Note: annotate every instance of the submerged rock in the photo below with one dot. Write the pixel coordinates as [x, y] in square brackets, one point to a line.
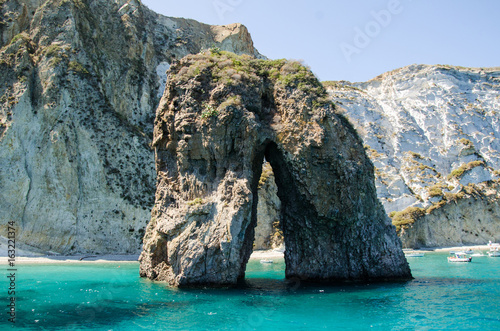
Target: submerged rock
[219, 117]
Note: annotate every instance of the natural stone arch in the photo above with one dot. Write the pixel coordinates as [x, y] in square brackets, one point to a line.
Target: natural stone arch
[219, 117]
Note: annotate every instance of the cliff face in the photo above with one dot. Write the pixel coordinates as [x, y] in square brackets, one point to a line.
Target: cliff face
[471, 218]
[220, 116]
[430, 131]
[79, 83]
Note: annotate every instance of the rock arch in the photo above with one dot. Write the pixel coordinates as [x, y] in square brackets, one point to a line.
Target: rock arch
[219, 117]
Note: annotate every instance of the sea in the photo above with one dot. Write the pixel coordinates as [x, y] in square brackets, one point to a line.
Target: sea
[112, 296]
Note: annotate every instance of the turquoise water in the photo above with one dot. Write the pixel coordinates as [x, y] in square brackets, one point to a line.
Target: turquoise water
[451, 296]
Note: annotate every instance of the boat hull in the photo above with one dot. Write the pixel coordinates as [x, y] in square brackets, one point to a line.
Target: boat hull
[459, 259]
[415, 255]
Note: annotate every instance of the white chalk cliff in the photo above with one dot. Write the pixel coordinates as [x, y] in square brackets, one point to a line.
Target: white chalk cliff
[432, 133]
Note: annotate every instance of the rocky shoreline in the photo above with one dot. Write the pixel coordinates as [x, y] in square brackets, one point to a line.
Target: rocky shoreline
[256, 255]
[455, 248]
[109, 258]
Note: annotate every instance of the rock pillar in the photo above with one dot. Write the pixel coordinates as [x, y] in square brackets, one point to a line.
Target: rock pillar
[220, 116]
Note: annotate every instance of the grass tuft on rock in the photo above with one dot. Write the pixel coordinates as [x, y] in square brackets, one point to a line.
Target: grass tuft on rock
[407, 216]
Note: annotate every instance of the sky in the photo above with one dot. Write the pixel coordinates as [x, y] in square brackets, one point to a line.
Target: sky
[358, 40]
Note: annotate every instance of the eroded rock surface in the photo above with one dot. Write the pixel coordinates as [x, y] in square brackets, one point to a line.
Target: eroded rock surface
[431, 131]
[79, 84]
[219, 117]
[469, 217]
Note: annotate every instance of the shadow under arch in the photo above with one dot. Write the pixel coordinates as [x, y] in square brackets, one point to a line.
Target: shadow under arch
[305, 233]
[296, 213]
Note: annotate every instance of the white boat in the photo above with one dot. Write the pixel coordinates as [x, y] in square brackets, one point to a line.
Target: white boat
[494, 249]
[494, 252]
[459, 257]
[266, 261]
[414, 254]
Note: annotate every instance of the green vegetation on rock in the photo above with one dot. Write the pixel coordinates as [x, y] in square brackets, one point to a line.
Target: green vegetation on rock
[415, 155]
[78, 68]
[267, 171]
[245, 70]
[407, 216]
[466, 142]
[21, 36]
[209, 111]
[195, 202]
[339, 85]
[52, 50]
[436, 190]
[233, 101]
[458, 173]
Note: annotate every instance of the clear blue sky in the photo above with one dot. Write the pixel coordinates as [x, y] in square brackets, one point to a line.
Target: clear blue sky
[359, 39]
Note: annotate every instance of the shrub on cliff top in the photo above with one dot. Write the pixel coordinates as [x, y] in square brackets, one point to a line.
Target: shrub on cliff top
[229, 68]
[437, 205]
[471, 190]
[339, 85]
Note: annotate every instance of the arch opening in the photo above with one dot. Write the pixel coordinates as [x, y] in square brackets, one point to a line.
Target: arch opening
[295, 215]
[268, 241]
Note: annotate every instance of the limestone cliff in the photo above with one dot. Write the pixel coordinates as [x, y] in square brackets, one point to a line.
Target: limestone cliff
[220, 116]
[79, 83]
[469, 217]
[431, 131]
